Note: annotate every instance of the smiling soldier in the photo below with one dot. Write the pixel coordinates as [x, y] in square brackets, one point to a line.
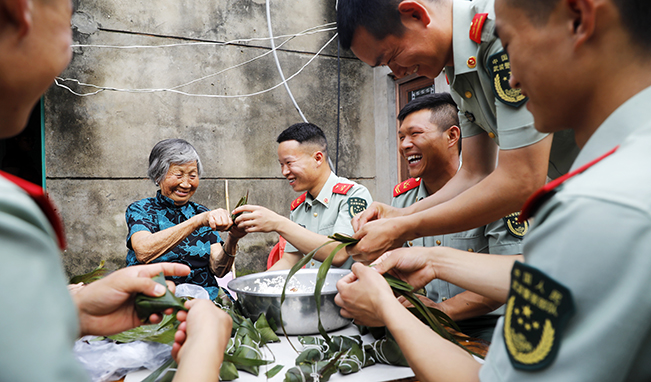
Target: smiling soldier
[326, 207]
[430, 140]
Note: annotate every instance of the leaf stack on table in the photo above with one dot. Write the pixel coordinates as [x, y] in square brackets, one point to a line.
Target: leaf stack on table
[320, 357]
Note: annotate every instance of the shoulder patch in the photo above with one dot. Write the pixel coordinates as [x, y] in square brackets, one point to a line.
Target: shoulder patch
[499, 69]
[342, 188]
[476, 27]
[356, 205]
[298, 201]
[405, 186]
[514, 226]
[537, 312]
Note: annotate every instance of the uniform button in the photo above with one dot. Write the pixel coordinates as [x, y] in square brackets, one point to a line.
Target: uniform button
[491, 135]
[471, 250]
[315, 214]
[410, 243]
[438, 242]
[312, 263]
[444, 298]
[472, 62]
[468, 94]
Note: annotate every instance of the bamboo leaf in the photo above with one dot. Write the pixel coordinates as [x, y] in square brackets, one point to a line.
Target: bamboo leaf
[320, 281]
[243, 200]
[91, 276]
[274, 370]
[147, 305]
[154, 376]
[228, 371]
[163, 332]
[306, 259]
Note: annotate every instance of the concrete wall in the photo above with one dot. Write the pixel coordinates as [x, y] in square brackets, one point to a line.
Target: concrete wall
[97, 146]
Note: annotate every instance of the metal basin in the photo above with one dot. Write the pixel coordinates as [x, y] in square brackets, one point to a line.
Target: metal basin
[260, 293]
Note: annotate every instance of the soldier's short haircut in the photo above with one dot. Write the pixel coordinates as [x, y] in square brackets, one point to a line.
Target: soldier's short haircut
[305, 132]
[380, 18]
[635, 16]
[444, 112]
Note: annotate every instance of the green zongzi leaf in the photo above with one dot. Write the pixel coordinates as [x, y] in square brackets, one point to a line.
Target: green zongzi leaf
[274, 370]
[147, 305]
[91, 276]
[243, 200]
[266, 333]
[228, 372]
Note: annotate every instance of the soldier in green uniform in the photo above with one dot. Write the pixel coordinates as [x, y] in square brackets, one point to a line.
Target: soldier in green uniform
[430, 141]
[326, 206]
[578, 308]
[424, 37]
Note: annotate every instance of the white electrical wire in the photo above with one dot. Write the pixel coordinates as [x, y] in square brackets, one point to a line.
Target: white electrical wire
[173, 90]
[280, 70]
[306, 32]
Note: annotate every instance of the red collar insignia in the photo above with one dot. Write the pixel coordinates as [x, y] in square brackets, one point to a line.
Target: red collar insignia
[298, 201]
[547, 191]
[43, 201]
[405, 186]
[477, 26]
[342, 188]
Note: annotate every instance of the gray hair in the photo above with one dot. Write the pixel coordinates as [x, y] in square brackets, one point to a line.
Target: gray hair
[168, 151]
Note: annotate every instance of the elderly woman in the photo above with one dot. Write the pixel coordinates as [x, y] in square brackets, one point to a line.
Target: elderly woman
[171, 228]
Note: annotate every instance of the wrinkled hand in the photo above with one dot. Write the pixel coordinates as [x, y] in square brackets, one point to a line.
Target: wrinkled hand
[218, 219]
[257, 219]
[204, 325]
[363, 294]
[107, 306]
[375, 211]
[412, 265]
[237, 232]
[376, 238]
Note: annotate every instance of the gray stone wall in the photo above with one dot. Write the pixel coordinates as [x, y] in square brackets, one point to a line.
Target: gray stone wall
[97, 146]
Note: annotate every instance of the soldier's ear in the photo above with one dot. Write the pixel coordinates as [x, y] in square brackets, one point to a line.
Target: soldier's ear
[583, 16]
[318, 156]
[16, 14]
[413, 11]
[453, 135]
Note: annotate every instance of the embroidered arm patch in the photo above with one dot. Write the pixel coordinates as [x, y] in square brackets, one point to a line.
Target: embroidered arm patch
[356, 205]
[537, 312]
[499, 69]
[514, 226]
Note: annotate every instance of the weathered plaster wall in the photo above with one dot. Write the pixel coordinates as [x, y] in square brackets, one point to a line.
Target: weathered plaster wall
[97, 146]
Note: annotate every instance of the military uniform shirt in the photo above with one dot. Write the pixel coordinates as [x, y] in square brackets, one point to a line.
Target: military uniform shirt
[330, 212]
[472, 82]
[492, 238]
[593, 236]
[41, 324]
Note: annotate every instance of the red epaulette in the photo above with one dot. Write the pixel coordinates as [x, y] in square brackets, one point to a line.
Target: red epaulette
[477, 26]
[342, 188]
[298, 201]
[43, 201]
[405, 186]
[547, 191]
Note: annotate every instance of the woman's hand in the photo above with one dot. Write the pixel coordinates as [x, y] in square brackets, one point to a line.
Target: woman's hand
[218, 219]
[106, 306]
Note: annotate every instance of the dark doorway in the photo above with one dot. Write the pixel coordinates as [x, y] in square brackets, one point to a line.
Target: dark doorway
[22, 155]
